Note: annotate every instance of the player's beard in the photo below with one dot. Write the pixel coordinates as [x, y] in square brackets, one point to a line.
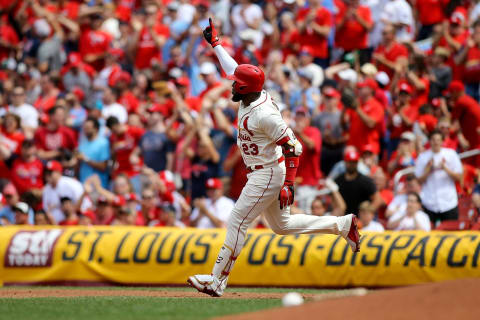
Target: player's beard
[237, 97]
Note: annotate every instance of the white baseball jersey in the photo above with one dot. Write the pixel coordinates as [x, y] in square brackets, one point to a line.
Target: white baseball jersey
[260, 126]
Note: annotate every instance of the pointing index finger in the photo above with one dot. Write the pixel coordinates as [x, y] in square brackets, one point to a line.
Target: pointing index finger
[211, 23]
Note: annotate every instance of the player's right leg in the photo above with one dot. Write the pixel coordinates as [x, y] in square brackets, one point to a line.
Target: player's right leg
[257, 195]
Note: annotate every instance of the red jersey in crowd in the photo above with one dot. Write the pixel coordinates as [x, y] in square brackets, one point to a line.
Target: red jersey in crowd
[360, 133]
[289, 40]
[471, 72]
[146, 47]
[352, 35]
[7, 35]
[317, 42]
[309, 166]
[27, 175]
[129, 101]
[392, 53]
[122, 146]
[430, 11]
[399, 126]
[467, 111]
[94, 42]
[63, 137]
[12, 141]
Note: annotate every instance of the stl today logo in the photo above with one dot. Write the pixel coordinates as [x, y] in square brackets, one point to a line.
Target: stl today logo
[32, 248]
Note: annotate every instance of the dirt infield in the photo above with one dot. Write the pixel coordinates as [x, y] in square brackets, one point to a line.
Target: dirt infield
[62, 293]
[436, 301]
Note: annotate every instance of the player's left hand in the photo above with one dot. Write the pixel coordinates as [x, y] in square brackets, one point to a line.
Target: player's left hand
[286, 196]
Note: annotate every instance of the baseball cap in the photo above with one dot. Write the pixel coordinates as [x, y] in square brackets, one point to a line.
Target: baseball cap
[405, 87]
[382, 78]
[157, 108]
[182, 81]
[173, 5]
[302, 111]
[248, 35]
[348, 75]
[10, 189]
[368, 148]
[442, 51]
[331, 93]
[368, 83]
[408, 135]
[457, 18]
[116, 53]
[369, 69]
[208, 68]
[131, 197]
[306, 50]
[289, 1]
[53, 165]
[214, 183]
[74, 59]
[79, 93]
[351, 155]
[22, 207]
[436, 102]
[305, 73]
[204, 3]
[89, 213]
[455, 86]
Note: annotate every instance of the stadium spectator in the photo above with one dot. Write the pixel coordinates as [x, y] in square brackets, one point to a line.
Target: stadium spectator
[366, 215]
[438, 169]
[7, 212]
[390, 54]
[27, 113]
[213, 211]
[27, 170]
[356, 187]
[413, 218]
[21, 210]
[93, 153]
[337, 204]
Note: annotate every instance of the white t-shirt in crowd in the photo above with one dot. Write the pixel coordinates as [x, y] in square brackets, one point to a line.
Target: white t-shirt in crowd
[439, 193]
[115, 110]
[220, 209]
[66, 187]
[27, 113]
[373, 226]
[400, 12]
[420, 221]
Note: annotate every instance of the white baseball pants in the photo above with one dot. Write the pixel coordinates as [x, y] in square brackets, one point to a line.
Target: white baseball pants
[260, 194]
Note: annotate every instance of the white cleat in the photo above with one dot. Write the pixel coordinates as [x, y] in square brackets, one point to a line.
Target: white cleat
[207, 284]
[353, 237]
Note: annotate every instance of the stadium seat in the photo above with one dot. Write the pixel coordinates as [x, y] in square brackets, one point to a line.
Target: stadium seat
[454, 225]
[466, 210]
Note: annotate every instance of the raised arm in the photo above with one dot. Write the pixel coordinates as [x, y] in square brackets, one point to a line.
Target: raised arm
[226, 61]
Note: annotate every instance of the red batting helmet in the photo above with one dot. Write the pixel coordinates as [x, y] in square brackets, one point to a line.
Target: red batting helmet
[248, 78]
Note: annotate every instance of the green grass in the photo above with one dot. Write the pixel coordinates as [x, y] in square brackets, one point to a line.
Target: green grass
[125, 308]
[185, 288]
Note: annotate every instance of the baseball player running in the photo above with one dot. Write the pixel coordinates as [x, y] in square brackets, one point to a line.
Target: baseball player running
[271, 153]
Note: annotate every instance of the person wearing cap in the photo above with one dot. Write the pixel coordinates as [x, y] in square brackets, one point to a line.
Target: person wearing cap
[390, 54]
[354, 186]
[214, 210]
[156, 147]
[366, 215]
[93, 153]
[308, 173]
[329, 123]
[438, 169]
[453, 37]
[465, 115]
[305, 93]
[78, 77]
[208, 73]
[306, 61]
[56, 187]
[27, 113]
[7, 212]
[149, 36]
[403, 116]
[27, 170]
[404, 156]
[314, 25]
[364, 118]
[55, 136]
[21, 210]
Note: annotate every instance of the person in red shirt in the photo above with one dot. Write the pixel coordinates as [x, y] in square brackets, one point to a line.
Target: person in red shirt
[403, 115]
[27, 170]
[121, 83]
[94, 43]
[419, 79]
[389, 54]
[247, 53]
[465, 114]
[308, 173]
[11, 139]
[55, 137]
[149, 38]
[124, 142]
[362, 120]
[430, 13]
[469, 57]
[234, 162]
[8, 38]
[289, 37]
[48, 96]
[353, 23]
[314, 25]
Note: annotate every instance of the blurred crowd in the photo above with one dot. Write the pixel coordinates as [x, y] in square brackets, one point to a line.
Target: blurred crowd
[116, 112]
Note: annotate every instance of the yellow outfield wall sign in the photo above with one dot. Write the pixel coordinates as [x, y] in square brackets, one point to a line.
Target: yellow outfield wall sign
[137, 255]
